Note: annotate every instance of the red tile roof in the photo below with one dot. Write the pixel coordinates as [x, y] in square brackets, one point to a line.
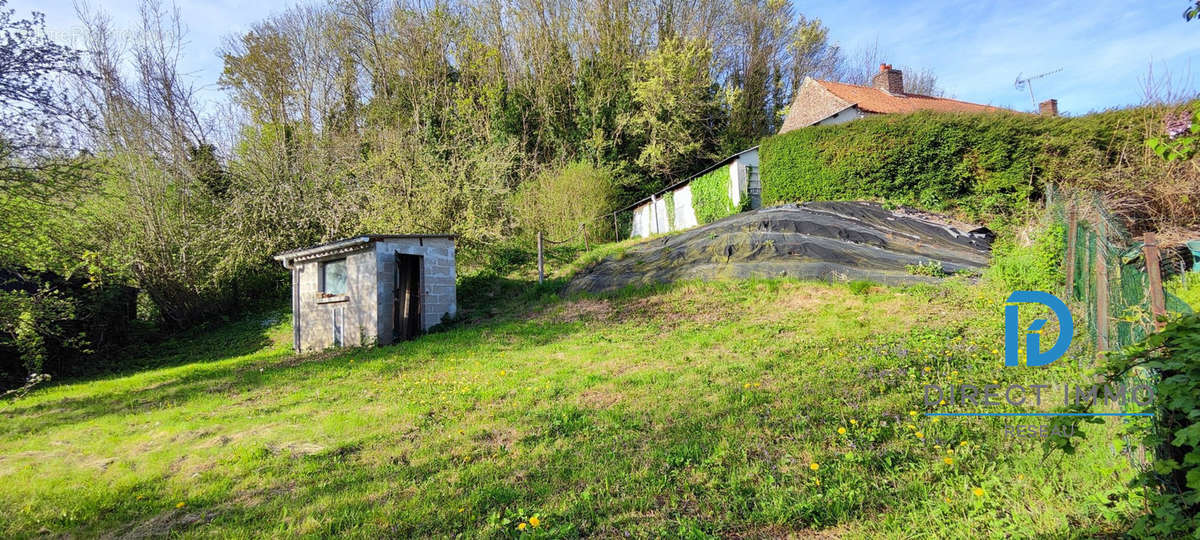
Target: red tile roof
[874, 100]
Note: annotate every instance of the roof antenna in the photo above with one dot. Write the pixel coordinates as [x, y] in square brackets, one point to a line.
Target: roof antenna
[1027, 82]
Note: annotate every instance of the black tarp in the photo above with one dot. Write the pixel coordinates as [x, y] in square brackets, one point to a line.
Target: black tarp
[817, 240]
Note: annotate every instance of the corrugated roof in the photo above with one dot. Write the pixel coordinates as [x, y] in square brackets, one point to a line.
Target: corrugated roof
[874, 100]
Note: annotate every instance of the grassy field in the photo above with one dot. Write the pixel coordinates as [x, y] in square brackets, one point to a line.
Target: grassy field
[749, 409]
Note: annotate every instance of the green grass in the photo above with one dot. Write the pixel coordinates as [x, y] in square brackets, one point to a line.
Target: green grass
[685, 410]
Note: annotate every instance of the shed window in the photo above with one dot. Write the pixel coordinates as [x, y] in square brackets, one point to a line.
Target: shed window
[333, 277]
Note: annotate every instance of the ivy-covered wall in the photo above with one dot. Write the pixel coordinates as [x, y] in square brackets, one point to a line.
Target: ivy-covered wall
[983, 164]
[710, 196]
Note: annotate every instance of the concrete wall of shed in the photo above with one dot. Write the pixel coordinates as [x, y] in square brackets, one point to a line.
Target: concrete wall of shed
[357, 308]
[438, 276]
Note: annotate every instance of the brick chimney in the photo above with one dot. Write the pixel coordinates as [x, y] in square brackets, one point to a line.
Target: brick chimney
[889, 80]
[1048, 107]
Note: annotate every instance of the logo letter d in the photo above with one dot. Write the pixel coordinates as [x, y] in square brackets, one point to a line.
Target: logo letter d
[1033, 354]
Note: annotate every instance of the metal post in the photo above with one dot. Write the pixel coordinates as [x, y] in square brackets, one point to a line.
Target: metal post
[1071, 241]
[541, 271]
[1157, 299]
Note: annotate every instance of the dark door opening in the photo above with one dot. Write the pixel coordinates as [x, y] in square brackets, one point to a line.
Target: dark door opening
[406, 297]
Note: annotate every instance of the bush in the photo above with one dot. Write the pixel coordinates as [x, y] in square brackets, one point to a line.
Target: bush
[1173, 481]
[710, 196]
[556, 201]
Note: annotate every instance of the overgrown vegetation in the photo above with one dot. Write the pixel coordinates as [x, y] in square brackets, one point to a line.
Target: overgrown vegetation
[988, 166]
[1034, 263]
[1170, 359]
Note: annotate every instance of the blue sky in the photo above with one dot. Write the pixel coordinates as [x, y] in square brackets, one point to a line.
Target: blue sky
[977, 49]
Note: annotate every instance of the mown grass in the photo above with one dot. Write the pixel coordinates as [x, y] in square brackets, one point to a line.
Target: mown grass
[753, 408]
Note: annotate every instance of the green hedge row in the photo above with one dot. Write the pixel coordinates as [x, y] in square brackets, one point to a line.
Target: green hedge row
[710, 196]
[985, 164]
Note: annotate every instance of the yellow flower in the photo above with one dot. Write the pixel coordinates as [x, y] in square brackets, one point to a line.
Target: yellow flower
[521, 526]
[948, 461]
[535, 521]
[912, 414]
[756, 385]
[180, 505]
[747, 385]
[853, 422]
[841, 431]
[460, 510]
[949, 451]
[994, 351]
[502, 372]
[920, 435]
[818, 481]
[814, 466]
[964, 443]
[926, 369]
[978, 492]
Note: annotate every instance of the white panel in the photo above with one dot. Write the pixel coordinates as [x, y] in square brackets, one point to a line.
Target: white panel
[685, 215]
[662, 224]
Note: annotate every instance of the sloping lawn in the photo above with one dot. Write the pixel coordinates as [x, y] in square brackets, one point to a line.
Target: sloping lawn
[731, 409]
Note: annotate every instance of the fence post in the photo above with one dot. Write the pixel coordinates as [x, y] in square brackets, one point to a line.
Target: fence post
[1101, 299]
[1071, 241]
[616, 229]
[1157, 300]
[583, 231]
[541, 272]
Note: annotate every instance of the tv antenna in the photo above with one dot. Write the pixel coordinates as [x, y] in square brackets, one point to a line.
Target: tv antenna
[1027, 82]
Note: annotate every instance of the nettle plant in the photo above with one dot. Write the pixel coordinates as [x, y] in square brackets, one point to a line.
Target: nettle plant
[1181, 140]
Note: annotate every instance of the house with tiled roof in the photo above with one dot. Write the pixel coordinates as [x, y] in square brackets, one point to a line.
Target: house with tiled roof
[820, 103]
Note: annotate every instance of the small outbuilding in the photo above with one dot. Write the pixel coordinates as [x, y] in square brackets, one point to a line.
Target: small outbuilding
[367, 290]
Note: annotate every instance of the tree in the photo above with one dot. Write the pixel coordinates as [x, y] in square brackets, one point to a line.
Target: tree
[863, 66]
[677, 111]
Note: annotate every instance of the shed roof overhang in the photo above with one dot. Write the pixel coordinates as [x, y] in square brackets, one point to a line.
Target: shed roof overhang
[341, 247]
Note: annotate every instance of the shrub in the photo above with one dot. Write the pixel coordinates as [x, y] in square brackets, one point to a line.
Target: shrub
[556, 201]
[926, 268]
[1173, 481]
[710, 196]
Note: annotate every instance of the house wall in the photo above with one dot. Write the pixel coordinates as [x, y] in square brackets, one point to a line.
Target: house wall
[812, 104]
[843, 116]
[438, 277]
[357, 308]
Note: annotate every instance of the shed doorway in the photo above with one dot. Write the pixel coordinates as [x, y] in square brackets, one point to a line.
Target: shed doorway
[406, 297]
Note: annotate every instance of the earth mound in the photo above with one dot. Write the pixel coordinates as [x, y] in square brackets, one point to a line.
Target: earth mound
[817, 240]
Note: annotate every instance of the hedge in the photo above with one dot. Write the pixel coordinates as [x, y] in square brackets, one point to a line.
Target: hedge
[710, 196]
[985, 164]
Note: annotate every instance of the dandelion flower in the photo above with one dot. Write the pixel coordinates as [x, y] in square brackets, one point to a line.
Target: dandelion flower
[964, 443]
[747, 385]
[181, 504]
[521, 526]
[841, 431]
[920, 435]
[978, 492]
[756, 385]
[949, 451]
[948, 461]
[535, 521]
[853, 422]
[994, 351]
[912, 414]
[502, 372]
[460, 510]
[818, 481]
[814, 466]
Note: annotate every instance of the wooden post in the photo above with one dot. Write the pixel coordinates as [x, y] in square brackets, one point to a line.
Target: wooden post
[616, 229]
[1158, 302]
[1101, 300]
[1071, 241]
[583, 231]
[541, 271]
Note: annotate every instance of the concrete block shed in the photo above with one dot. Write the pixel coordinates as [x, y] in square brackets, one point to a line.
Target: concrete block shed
[368, 290]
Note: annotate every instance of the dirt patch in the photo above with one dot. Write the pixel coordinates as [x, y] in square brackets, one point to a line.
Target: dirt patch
[165, 524]
[599, 399]
[577, 310]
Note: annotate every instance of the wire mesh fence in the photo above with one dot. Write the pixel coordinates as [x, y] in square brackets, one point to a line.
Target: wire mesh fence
[1114, 277]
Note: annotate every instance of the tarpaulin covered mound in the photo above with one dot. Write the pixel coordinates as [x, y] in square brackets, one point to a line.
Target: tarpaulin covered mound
[818, 240]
